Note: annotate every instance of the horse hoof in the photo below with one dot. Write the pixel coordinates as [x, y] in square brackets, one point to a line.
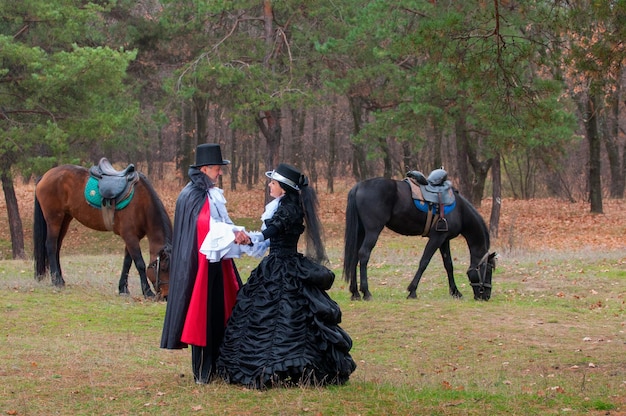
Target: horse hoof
[367, 297]
[355, 297]
[456, 295]
[411, 295]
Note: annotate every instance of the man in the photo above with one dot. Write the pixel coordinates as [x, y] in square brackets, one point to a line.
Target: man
[202, 292]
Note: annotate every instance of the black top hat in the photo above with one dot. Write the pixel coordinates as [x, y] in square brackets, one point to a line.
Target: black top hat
[288, 175]
[209, 154]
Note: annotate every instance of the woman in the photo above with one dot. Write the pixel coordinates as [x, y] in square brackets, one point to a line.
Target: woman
[201, 292]
[284, 328]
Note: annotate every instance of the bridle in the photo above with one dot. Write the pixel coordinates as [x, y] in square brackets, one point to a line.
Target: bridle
[156, 265]
[481, 271]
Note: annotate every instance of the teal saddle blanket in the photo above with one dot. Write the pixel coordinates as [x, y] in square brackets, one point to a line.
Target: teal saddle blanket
[94, 198]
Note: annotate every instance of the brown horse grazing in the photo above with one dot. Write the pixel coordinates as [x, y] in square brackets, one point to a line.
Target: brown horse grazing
[60, 197]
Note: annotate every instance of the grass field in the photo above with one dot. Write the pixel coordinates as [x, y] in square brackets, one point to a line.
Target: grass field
[550, 341]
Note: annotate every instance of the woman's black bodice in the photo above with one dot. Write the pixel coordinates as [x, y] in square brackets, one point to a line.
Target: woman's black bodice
[289, 222]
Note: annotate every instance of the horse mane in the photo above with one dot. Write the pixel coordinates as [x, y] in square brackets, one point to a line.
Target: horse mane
[165, 219]
[473, 218]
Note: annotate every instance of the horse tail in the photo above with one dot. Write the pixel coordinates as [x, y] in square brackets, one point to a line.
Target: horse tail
[40, 232]
[352, 238]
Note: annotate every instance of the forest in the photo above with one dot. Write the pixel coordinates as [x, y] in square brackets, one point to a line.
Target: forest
[518, 99]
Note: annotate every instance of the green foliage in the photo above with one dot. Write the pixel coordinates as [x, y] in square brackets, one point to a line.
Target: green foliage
[231, 64]
[55, 24]
[417, 63]
[63, 88]
[594, 32]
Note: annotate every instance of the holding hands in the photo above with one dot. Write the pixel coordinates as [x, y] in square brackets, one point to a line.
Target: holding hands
[242, 238]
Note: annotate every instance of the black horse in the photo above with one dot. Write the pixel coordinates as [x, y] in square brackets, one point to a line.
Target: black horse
[379, 202]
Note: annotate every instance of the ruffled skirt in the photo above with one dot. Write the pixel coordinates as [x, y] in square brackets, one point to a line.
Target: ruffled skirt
[284, 329]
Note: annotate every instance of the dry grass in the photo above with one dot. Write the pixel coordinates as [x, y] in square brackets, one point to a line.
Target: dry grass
[550, 341]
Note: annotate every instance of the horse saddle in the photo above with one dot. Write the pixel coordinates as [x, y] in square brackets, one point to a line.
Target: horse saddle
[108, 187]
[433, 195]
[436, 189]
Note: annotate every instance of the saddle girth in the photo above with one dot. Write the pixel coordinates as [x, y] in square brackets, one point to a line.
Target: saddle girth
[416, 194]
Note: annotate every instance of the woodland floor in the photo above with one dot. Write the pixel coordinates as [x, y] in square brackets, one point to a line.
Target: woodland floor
[538, 225]
[543, 228]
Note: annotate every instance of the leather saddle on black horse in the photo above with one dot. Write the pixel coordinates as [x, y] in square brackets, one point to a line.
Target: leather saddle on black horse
[434, 195]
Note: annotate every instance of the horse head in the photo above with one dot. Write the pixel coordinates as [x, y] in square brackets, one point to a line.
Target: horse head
[480, 276]
[158, 271]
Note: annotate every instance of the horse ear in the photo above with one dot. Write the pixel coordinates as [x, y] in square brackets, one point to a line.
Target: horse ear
[492, 258]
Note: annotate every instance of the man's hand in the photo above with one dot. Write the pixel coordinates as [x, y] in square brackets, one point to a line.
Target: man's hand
[242, 238]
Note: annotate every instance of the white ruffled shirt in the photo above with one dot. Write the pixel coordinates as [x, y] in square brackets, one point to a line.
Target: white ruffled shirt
[219, 242]
[259, 243]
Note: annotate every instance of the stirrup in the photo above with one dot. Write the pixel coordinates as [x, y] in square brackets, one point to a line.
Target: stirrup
[442, 225]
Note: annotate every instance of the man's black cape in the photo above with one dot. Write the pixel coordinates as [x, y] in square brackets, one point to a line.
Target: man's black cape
[184, 260]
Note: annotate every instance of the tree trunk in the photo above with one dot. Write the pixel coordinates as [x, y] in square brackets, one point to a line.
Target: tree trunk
[187, 144]
[332, 149]
[478, 185]
[359, 159]
[437, 139]
[408, 161]
[384, 148]
[255, 161]
[271, 129]
[311, 158]
[496, 195]
[269, 121]
[462, 163]
[249, 156]
[610, 129]
[158, 169]
[201, 115]
[591, 130]
[298, 121]
[235, 160]
[15, 221]
[472, 183]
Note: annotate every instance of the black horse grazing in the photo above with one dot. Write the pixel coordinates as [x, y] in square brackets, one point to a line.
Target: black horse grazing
[61, 195]
[379, 202]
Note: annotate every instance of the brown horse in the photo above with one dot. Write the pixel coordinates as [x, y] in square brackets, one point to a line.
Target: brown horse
[60, 197]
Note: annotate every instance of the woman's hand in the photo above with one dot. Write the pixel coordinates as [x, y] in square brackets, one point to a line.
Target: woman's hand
[242, 238]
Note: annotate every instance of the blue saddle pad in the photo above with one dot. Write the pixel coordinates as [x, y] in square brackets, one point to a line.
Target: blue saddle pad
[423, 206]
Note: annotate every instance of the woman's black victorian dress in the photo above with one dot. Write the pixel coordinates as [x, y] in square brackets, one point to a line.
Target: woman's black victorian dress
[284, 327]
